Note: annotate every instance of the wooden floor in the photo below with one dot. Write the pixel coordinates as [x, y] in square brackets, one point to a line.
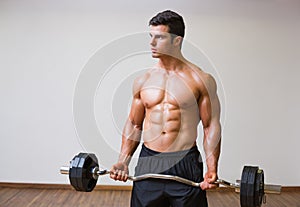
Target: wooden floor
[27, 197]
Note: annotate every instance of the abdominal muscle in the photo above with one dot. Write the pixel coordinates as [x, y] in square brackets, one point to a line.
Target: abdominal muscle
[167, 128]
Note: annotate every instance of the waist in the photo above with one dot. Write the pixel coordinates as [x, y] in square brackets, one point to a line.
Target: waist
[147, 152]
[173, 163]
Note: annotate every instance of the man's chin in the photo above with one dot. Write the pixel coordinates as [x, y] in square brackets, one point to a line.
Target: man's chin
[155, 55]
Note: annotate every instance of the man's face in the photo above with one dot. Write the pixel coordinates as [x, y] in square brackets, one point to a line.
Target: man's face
[161, 41]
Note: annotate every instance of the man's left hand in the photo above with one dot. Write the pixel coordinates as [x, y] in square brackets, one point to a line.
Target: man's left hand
[209, 181]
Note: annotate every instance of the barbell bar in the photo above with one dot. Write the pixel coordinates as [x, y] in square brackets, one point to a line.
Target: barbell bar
[96, 173]
[84, 171]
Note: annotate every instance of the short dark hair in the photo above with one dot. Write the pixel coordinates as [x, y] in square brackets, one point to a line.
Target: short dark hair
[171, 19]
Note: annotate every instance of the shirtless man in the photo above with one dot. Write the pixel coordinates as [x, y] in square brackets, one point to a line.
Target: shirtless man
[168, 103]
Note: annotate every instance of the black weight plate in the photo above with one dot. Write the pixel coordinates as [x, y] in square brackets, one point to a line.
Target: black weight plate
[262, 187]
[259, 188]
[73, 172]
[243, 186]
[82, 178]
[81, 171]
[88, 182]
[94, 163]
[251, 182]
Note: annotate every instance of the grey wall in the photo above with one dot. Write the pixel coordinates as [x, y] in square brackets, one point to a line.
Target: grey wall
[251, 47]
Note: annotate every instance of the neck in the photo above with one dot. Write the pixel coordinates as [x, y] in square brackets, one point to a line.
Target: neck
[171, 63]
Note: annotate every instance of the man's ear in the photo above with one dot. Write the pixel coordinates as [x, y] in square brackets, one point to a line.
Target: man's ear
[177, 41]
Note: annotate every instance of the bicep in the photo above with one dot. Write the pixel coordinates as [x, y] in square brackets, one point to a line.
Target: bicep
[209, 105]
[137, 112]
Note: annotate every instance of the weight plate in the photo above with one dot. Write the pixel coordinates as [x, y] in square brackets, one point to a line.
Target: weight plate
[73, 172]
[259, 188]
[251, 182]
[81, 177]
[89, 182]
[81, 171]
[243, 186]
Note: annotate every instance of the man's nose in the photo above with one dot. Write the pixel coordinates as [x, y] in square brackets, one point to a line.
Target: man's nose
[152, 42]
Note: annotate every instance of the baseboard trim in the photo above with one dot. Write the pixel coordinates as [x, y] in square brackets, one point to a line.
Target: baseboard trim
[60, 186]
[35, 185]
[108, 187]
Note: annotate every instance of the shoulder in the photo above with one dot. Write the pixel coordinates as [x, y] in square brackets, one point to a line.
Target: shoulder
[204, 80]
[139, 82]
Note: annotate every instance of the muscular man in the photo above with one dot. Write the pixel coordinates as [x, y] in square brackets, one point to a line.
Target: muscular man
[168, 103]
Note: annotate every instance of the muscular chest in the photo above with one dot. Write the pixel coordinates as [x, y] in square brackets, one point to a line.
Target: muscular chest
[172, 89]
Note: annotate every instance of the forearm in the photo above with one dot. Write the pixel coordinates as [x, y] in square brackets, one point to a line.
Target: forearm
[130, 140]
[127, 150]
[212, 146]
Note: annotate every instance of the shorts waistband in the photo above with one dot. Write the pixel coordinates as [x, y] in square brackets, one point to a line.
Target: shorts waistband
[150, 152]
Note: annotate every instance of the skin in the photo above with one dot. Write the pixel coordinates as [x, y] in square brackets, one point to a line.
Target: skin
[168, 103]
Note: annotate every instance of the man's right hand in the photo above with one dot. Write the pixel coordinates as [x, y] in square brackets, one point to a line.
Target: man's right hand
[119, 172]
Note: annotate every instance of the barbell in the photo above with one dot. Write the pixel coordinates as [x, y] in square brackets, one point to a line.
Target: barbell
[84, 171]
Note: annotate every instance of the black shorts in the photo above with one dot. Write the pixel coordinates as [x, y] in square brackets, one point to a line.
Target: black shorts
[165, 193]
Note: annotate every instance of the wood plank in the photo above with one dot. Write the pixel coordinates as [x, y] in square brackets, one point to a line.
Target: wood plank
[7, 194]
[38, 197]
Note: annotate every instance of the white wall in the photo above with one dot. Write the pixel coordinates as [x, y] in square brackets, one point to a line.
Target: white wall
[44, 46]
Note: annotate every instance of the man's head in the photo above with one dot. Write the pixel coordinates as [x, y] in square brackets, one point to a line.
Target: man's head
[171, 19]
[166, 32]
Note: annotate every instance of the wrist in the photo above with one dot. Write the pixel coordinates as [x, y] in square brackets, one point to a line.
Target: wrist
[212, 167]
[124, 159]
